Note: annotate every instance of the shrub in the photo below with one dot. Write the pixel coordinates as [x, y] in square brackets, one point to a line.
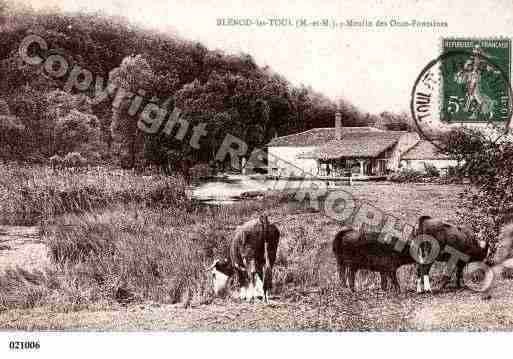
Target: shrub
[74, 159]
[406, 175]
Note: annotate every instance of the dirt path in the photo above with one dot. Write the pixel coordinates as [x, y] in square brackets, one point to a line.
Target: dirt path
[22, 247]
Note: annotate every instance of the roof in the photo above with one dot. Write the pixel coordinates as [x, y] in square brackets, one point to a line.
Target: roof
[424, 150]
[317, 136]
[364, 144]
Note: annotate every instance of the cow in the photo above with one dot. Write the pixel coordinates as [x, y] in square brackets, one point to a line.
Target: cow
[461, 238]
[355, 250]
[252, 255]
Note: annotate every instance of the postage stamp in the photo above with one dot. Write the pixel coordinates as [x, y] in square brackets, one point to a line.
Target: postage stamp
[475, 80]
[469, 83]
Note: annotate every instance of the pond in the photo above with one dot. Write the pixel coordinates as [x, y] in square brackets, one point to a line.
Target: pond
[226, 189]
[229, 188]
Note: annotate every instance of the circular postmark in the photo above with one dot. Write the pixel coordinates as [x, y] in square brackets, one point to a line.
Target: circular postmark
[461, 89]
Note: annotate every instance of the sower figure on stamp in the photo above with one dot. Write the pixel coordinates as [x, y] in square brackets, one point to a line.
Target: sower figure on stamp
[470, 75]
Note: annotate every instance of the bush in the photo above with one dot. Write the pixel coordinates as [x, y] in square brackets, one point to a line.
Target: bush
[406, 175]
[74, 159]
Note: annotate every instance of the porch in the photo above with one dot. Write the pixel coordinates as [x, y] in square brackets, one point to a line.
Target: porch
[351, 167]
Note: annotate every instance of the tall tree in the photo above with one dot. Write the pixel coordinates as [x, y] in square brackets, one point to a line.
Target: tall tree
[134, 76]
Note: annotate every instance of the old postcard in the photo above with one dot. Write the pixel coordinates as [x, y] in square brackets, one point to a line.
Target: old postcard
[272, 166]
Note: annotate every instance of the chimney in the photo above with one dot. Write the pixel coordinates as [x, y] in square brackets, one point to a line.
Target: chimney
[338, 125]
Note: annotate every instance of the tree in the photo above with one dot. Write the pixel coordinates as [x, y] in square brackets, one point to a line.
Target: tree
[228, 92]
[134, 76]
[351, 115]
[486, 162]
[29, 106]
[71, 125]
[395, 122]
[78, 132]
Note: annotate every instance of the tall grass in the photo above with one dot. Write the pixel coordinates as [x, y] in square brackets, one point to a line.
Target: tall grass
[140, 253]
[138, 238]
[29, 195]
[130, 253]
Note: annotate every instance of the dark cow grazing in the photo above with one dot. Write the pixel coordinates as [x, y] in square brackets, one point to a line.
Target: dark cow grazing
[252, 256]
[355, 250]
[461, 238]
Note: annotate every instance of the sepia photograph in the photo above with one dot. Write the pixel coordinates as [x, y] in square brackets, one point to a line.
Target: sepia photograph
[224, 174]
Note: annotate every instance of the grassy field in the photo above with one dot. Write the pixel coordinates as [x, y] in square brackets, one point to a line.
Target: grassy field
[132, 264]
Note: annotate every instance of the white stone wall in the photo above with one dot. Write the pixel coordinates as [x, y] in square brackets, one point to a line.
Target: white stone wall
[283, 161]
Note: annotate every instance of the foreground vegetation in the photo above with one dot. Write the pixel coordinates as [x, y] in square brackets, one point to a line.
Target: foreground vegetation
[138, 248]
[331, 309]
[133, 267]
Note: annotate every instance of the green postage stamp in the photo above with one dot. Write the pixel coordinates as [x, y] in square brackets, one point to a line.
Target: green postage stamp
[475, 80]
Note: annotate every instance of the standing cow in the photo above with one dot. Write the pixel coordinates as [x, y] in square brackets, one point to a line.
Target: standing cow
[461, 238]
[252, 256]
[355, 250]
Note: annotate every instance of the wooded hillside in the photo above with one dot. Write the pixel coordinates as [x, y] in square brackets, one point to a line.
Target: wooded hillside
[41, 117]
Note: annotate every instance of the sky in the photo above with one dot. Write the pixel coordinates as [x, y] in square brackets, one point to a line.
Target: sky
[372, 67]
